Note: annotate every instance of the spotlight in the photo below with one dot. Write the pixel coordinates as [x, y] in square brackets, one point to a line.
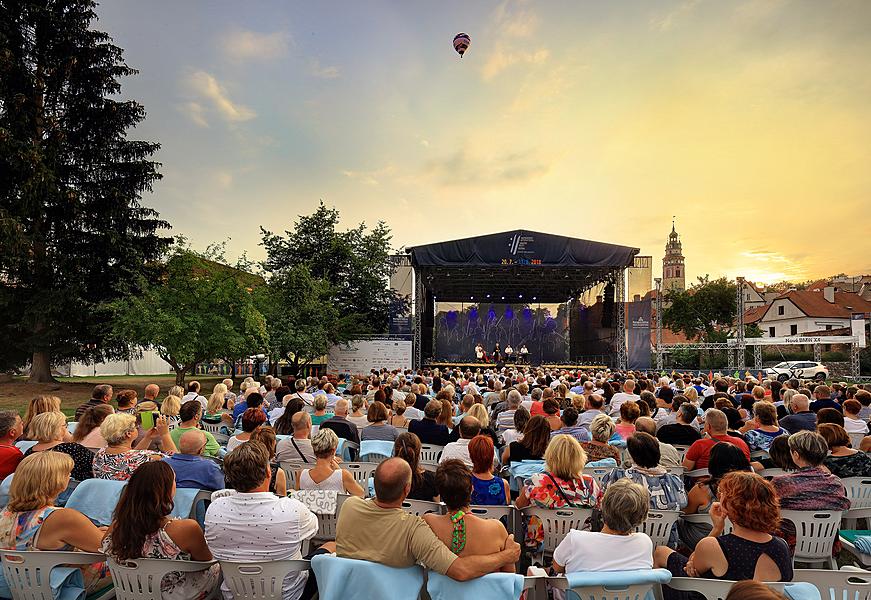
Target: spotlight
[520, 296]
[488, 295]
[534, 298]
[503, 297]
[471, 297]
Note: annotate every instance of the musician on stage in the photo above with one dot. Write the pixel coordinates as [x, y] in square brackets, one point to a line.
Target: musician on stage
[479, 352]
[509, 353]
[524, 353]
[497, 353]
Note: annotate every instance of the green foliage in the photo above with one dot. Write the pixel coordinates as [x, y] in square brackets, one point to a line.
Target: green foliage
[73, 234]
[354, 263]
[704, 312]
[199, 310]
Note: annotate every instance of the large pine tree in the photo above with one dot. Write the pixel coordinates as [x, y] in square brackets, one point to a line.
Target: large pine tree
[73, 234]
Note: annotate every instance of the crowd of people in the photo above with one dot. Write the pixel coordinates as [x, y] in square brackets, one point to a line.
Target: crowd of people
[642, 428]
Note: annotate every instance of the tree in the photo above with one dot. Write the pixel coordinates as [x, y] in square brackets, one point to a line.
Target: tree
[355, 263]
[73, 234]
[199, 310]
[704, 312]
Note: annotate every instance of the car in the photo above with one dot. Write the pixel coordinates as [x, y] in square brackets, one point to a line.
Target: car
[798, 369]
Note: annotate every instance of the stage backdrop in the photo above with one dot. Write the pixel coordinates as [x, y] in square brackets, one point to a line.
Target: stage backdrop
[542, 327]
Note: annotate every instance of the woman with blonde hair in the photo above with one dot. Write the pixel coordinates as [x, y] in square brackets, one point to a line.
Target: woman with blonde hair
[119, 459]
[691, 394]
[602, 429]
[177, 391]
[326, 474]
[49, 429]
[214, 408]
[358, 417]
[478, 411]
[31, 521]
[320, 415]
[170, 409]
[39, 405]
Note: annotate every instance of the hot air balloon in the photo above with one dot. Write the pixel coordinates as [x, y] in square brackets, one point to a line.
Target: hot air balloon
[462, 41]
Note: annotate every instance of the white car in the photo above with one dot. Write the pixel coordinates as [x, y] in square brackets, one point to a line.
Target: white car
[798, 369]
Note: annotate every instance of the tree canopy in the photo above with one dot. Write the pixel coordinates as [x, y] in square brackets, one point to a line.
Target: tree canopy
[73, 234]
[704, 312]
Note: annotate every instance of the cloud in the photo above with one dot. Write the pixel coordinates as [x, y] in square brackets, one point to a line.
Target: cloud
[463, 169]
[209, 90]
[502, 59]
[244, 45]
[370, 177]
[668, 20]
[323, 72]
[196, 113]
[514, 19]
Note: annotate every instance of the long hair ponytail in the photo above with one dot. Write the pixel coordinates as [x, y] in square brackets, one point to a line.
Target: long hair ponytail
[145, 501]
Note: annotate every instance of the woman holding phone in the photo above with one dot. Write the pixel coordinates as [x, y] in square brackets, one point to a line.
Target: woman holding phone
[119, 459]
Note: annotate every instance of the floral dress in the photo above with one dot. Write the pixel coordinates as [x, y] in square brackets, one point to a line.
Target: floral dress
[175, 585]
[120, 467]
[546, 490]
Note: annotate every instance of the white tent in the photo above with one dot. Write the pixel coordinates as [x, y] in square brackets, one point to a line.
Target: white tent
[148, 364]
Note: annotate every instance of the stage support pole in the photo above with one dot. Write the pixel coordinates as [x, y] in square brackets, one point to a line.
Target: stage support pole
[757, 358]
[419, 300]
[658, 324]
[620, 304]
[818, 352]
[854, 361]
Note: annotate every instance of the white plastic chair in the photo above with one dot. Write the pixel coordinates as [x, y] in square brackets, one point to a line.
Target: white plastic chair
[614, 585]
[557, 522]
[422, 507]
[430, 453]
[681, 450]
[597, 473]
[856, 439]
[771, 472]
[706, 518]
[361, 471]
[658, 525]
[679, 471]
[815, 533]
[28, 573]
[25, 445]
[713, 589]
[696, 473]
[71, 426]
[212, 428]
[259, 580]
[850, 584]
[292, 469]
[140, 579]
[367, 454]
[859, 492]
[327, 523]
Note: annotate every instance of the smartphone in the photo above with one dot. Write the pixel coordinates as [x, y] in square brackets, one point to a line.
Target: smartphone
[148, 419]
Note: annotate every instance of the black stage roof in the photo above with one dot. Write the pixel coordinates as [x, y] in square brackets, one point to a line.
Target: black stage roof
[543, 266]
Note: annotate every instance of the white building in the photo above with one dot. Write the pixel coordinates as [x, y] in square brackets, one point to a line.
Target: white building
[809, 311]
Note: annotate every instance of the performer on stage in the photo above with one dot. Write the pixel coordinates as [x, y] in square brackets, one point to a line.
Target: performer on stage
[479, 352]
[524, 353]
[509, 353]
[497, 353]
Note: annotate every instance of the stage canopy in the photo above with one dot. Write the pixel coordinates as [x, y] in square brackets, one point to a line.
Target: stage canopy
[540, 267]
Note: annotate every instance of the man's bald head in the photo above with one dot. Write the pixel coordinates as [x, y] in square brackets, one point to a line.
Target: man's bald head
[800, 403]
[192, 442]
[301, 421]
[151, 391]
[716, 421]
[341, 407]
[469, 427]
[646, 424]
[392, 480]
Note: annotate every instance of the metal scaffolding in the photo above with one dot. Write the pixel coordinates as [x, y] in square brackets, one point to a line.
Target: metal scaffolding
[658, 309]
[419, 301]
[622, 352]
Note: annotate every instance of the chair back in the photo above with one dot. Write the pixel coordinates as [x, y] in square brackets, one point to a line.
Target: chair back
[361, 471]
[773, 472]
[25, 445]
[71, 426]
[292, 469]
[212, 428]
[597, 473]
[28, 574]
[679, 471]
[706, 518]
[856, 439]
[696, 473]
[815, 533]
[614, 585]
[557, 522]
[259, 580]
[658, 525]
[375, 451]
[714, 589]
[422, 507]
[430, 453]
[349, 579]
[494, 586]
[681, 450]
[858, 491]
[849, 584]
[96, 499]
[327, 523]
[140, 579]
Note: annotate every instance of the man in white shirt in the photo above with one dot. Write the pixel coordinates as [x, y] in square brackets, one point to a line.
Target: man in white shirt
[308, 401]
[626, 395]
[469, 428]
[250, 523]
[194, 394]
[332, 398]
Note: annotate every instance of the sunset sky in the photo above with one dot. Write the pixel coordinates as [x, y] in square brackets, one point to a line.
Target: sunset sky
[750, 121]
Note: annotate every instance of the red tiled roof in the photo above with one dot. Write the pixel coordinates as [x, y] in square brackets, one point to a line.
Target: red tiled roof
[755, 314]
[814, 304]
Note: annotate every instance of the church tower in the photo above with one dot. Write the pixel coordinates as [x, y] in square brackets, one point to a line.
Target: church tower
[673, 271]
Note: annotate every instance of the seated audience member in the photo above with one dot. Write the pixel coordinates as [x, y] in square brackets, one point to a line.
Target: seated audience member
[320, 413]
[750, 551]
[487, 488]
[602, 429]
[823, 399]
[469, 427]
[852, 422]
[340, 424]
[407, 447]
[551, 408]
[266, 435]
[31, 521]
[617, 547]
[515, 433]
[629, 413]
[252, 400]
[381, 531]
[830, 415]
[119, 459]
[536, 436]
[864, 398]
[251, 420]
[190, 414]
[142, 528]
[42, 404]
[479, 412]
[87, 431]
[716, 425]
[668, 454]
[801, 417]
[842, 460]
[193, 393]
[569, 426]
[780, 456]
[810, 487]
[398, 418]
[191, 469]
[563, 482]
[253, 524]
[326, 473]
[297, 448]
[593, 404]
[763, 428]
[427, 429]
[505, 419]
[724, 459]
[283, 425]
[10, 430]
[102, 394]
[49, 430]
[170, 409]
[378, 428]
[360, 408]
[462, 532]
[666, 491]
[127, 400]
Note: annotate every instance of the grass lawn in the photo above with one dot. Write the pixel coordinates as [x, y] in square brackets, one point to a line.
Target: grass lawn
[73, 391]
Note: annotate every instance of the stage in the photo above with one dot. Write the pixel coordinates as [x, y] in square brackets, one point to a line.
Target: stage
[478, 365]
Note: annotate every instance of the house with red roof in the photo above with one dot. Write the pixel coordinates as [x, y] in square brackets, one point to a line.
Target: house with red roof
[800, 312]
